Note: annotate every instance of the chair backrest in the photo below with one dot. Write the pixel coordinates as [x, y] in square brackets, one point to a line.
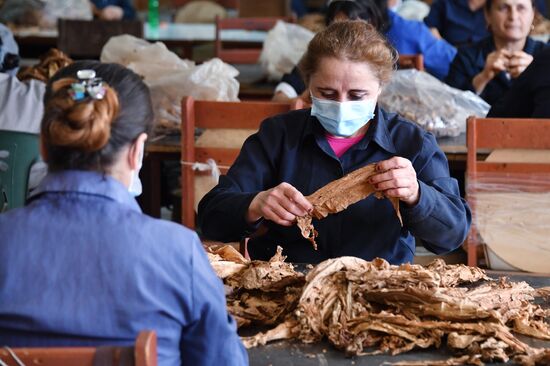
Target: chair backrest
[144, 353]
[22, 151]
[271, 8]
[216, 115]
[97, 33]
[241, 54]
[411, 62]
[496, 134]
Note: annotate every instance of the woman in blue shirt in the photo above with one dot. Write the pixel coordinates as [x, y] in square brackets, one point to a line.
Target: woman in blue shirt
[294, 154]
[408, 37]
[490, 66]
[80, 264]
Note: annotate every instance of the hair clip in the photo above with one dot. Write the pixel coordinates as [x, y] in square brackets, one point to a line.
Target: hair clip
[87, 86]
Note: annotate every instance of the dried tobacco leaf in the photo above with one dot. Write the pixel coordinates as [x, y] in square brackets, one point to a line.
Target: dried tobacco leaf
[337, 195]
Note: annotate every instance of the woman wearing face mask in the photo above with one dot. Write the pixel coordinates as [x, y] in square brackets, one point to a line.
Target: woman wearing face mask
[80, 264]
[490, 66]
[292, 155]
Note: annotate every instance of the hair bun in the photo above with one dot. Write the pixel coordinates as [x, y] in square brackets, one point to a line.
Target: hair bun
[84, 125]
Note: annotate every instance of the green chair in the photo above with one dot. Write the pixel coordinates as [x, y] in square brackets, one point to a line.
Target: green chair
[18, 151]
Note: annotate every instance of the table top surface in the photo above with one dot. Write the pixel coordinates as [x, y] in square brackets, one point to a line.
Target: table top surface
[167, 32]
[291, 353]
[171, 144]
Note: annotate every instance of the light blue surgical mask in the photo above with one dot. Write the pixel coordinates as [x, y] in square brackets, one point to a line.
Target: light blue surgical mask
[135, 187]
[343, 118]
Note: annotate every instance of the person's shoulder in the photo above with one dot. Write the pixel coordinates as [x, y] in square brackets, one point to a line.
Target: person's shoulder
[535, 47]
[164, 234]
[475, 46]
[290, 120]
[167, 227]
[402, 127]
[476, 49]
[410, 29]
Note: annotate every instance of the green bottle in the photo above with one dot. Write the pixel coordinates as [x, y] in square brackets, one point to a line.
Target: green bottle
[153, 14]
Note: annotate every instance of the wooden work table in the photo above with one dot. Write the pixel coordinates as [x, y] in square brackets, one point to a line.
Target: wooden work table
[168, 148]
[296, 353]
[181, 35]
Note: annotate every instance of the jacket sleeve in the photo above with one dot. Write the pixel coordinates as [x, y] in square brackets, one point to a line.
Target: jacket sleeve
[222, 212]
[211, 339]
[438, 53]
[441, 218]
[461, 72]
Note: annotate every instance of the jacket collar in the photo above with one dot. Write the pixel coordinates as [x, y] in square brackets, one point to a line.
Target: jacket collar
[377, 131]
[87, 183]
[489, 45]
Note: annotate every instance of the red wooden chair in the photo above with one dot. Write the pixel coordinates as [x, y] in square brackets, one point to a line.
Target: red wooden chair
[216, 115]
[144, 353]
[501, 133]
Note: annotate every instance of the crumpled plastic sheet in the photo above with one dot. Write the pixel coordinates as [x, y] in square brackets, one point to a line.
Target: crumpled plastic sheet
[170, 78]
[283, 47]
[518, 203]
[432, 104]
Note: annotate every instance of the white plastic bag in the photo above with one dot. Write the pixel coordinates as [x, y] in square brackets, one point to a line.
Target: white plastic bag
[283, 47]
[413, 10]
[66, 9]
[421, 98]
[170, 78]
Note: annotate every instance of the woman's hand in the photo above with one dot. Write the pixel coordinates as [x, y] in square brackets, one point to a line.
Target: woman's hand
[396, 177]
[496, 62]
[280, 204]
[518, 62]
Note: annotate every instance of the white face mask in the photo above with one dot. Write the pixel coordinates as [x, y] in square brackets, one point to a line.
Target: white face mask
[135, 187]
[343, 118]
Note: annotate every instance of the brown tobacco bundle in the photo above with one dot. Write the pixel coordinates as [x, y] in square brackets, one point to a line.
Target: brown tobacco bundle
[358, 305]
[260, 292]
[49, 64]
[337, 196]
[226, 260]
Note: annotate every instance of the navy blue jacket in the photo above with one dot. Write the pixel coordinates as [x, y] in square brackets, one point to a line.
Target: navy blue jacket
[458, 24]
[529, 95]
[470, 61]
[126, 5]
[293, 148]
